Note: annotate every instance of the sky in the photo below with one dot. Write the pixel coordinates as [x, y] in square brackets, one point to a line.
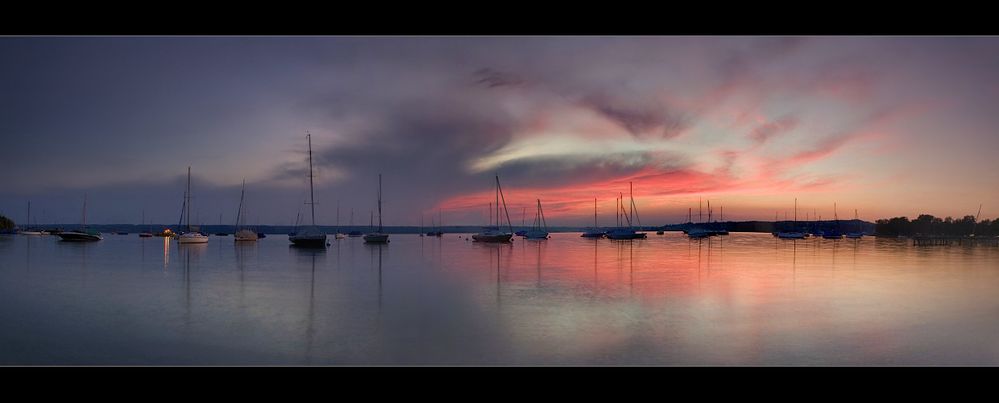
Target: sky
[878, 126]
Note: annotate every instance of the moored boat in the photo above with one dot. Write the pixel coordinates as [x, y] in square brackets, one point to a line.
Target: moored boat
[594, 232]
[190, 236]
[82, 235]
[243, 234]
[311, 236]
[493, 234]
[378, 236]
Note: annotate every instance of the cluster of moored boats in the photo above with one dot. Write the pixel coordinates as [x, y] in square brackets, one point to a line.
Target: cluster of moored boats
[314, 236]
[798, 233]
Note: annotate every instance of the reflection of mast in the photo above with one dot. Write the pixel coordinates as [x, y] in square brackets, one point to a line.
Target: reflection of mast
[309, 329]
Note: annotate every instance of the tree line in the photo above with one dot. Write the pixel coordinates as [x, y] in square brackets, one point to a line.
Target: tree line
[6, 223]
[927, 224]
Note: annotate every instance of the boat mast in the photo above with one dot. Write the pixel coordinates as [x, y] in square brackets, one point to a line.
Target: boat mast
[594, 212]
[338, 217]
[379, 203]
[631, 208]
[499, 190]
[188, 201]
[84, 212]
[239, 211]
[312, 198]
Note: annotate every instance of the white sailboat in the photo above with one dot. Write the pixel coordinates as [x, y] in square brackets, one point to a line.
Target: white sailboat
[339, 235]
[190, 236]
[243, 234]
[378, 236]
[310, 236]
[29, 230]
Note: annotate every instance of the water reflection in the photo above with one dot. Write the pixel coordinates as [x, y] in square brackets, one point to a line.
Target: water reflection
[567, 300]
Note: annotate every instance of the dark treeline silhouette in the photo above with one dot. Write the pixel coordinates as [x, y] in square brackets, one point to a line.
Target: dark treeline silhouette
[929, 225]
[6, 223]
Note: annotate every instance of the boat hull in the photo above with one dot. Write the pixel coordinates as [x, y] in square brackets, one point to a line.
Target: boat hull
[309, 241]
[246, 236]
[376, 238]
[73, 236]
[536, 234]
[192, 239]
[495, 238]
[592, 235]
[145, 235]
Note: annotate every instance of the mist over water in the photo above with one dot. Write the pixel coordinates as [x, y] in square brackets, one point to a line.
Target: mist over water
[742, 299]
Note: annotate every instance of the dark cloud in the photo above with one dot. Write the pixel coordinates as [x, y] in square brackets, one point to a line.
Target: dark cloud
[765, 131]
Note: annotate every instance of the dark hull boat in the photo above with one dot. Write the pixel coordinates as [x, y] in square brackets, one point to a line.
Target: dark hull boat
[80, 236]
[379, 236]
[308, 241]
[493, 234]
[83, 235]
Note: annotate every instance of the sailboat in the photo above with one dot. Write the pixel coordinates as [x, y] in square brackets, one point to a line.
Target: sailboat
[594, 232]
[628, 232]
[855, 234]
[83, 235]
[146, 233]
[338, 235]
[834, 233]
[795, 234]
[378, 236]
[440, 224]
[29, 230]
[190, 236]
[494, 233]
[243, 234]
[540, 228]
[310, 236]
[353, 233]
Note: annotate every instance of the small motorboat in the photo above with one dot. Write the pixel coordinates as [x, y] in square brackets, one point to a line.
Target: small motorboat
[81, 236]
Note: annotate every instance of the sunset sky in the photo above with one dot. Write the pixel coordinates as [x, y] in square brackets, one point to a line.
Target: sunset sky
[888, 126]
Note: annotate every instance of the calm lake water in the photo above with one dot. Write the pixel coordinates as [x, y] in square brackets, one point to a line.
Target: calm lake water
[742, 299]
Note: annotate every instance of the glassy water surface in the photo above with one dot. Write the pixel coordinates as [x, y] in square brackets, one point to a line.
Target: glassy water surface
[742, 299]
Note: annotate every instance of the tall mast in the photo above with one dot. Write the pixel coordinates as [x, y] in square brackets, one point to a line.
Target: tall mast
[499, 190]
[497, 202]
[594, 212]
[709, 210]
[188, 202]
[631, 208]
[699, 213]
[312, 198]
[84, 211]
[795, 211]
[239, 211]
[379, 203]
[338, 217]
[29, 214]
